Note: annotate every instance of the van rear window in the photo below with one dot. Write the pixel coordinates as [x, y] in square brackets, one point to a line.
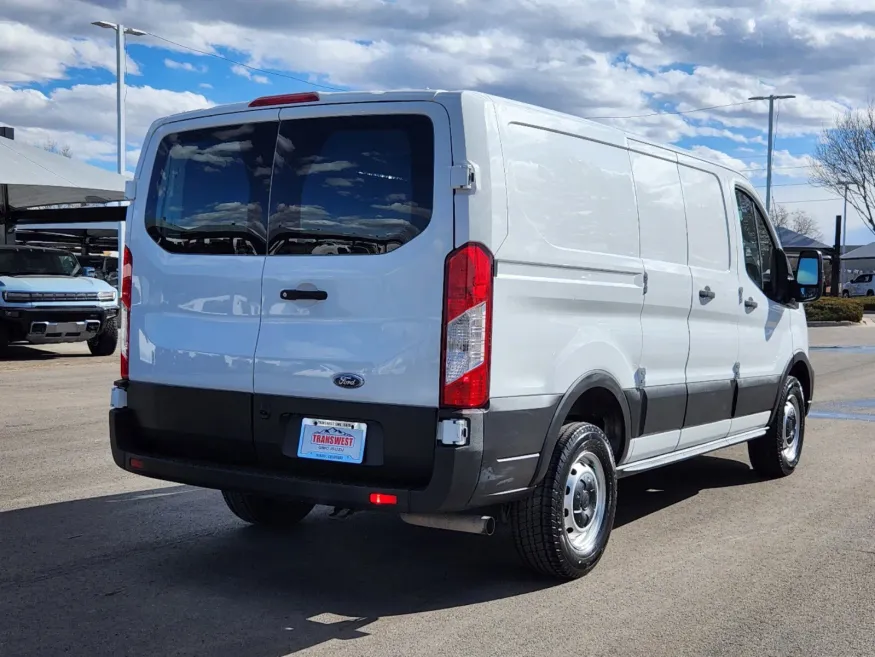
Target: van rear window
[210, 188]
[335, 186]
[351, 185]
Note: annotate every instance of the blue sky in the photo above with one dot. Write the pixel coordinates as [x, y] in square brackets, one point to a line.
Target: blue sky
[620, 58]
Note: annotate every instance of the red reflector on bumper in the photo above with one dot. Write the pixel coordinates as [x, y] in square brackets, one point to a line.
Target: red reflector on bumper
[136, 464]
[383, 498]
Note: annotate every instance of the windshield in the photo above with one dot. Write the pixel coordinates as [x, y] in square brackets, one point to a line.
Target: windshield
[27, 262]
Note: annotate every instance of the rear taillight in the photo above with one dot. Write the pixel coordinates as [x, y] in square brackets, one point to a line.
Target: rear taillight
[127, 280]
[467, 331]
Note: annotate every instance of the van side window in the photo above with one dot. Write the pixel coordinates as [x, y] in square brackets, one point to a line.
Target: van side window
[353, 185]
[209, 190]
[759, 248]
[707, 223]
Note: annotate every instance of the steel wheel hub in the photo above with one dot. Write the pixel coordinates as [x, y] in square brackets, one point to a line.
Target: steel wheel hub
[790, 443]
[585, 502]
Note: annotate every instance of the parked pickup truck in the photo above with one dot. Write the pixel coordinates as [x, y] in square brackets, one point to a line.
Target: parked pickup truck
[46, 298]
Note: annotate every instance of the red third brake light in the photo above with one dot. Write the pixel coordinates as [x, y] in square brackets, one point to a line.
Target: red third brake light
[380, 499]
[127, 281]
[285, 99]
[467, 330]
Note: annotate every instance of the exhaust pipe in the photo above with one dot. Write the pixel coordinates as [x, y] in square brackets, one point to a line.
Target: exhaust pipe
[484, 525]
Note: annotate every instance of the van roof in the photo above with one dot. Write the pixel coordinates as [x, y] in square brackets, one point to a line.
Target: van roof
[428, 95]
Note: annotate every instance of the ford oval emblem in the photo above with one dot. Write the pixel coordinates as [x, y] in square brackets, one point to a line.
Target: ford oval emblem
[349, 381]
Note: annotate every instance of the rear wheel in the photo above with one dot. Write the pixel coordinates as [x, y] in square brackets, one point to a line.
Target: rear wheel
[777, 453]
[562, 528]
[268, 511]
[105, 342]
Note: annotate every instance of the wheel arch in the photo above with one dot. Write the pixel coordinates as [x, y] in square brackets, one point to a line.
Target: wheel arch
[799, 367]
[597, 398]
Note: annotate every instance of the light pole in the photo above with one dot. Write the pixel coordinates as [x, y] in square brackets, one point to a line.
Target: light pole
[771, 100]
[120, 32]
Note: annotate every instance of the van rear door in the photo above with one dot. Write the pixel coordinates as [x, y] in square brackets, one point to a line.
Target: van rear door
[360, 224]
[197, 237]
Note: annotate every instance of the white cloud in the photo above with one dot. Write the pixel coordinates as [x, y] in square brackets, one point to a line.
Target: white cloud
[244, 72]
[615, 58]
[184, 66]
[84, 116]
[28, 55]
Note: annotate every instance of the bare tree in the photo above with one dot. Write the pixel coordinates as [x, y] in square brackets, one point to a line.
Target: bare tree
[798, 221]
[52, 147]
[846, 155]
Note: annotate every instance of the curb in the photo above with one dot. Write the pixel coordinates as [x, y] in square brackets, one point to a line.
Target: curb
[868, 323]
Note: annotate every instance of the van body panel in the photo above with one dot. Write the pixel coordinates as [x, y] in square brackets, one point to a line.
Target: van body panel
[382, 315]
[477, 142]
[195, 316]
[568, 287]
[765, 331]
[713, 321]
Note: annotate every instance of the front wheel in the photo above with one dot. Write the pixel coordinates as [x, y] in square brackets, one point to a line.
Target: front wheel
[777, 453]
[846, 294]
[105, 342]
[262, 510]
[562, 528]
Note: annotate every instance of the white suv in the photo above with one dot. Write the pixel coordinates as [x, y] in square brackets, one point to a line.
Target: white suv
[449, 306]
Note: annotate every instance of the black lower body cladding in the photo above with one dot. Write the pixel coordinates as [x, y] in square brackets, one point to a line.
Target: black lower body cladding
[232, 440]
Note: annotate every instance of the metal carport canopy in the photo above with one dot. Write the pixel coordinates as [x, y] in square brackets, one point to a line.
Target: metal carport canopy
[33, 177]
[860, 259]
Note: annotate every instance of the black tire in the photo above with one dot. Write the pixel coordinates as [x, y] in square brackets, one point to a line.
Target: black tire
[538, 522]
[105, 342]
[846, 294]
[268, 511]
[770, 455]
[4, 340]
[870, 293]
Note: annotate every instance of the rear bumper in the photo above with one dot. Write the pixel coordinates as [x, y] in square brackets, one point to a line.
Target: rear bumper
[52, 325]
[486, 471]
[456, 471]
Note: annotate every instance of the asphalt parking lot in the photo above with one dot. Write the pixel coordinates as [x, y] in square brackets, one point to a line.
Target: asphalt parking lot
[704, 560]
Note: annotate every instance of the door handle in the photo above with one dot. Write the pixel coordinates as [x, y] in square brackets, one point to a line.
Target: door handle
[304, 295]
[750, 304]
[707, 293]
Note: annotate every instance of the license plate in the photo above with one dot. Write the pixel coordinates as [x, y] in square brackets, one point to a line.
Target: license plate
[332, 440]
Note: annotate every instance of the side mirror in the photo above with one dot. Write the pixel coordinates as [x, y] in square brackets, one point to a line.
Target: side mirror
[808, 285]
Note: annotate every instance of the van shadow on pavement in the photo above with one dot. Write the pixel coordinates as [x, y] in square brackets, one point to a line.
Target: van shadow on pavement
[170, 572]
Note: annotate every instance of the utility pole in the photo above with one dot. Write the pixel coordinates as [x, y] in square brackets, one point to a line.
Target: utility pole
[771, 100]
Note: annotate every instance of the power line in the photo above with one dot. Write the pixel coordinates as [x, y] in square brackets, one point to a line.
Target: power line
[247, 66]
[813, 200]
[698, 109]
[805, 184]
[803, 166]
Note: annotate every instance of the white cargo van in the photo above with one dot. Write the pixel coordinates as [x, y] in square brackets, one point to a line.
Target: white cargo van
[450, 306]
